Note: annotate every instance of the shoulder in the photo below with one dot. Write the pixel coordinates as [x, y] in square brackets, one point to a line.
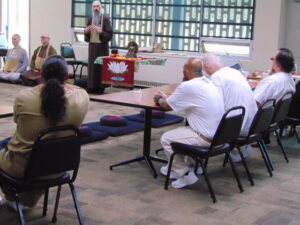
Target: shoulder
[28, 95]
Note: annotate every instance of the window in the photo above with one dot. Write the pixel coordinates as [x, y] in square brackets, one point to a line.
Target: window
[221, 26]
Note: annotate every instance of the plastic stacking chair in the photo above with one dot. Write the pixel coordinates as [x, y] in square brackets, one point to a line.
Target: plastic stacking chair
[50, 155]
[222, 143]
[67, 51]
[280, 114]
[260, 124]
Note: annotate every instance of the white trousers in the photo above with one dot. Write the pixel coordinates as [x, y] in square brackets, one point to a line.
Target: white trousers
[12, 77]
[183, 135]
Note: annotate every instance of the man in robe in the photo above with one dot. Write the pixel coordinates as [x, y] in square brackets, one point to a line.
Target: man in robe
[98, 33]
[33, 76]
[16, 61]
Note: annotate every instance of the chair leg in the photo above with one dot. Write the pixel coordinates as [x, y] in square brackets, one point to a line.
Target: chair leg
[45, 202]
[205, 163]
[158, 150]
[245, 166]
[211, 190]
[72, 188]
[169, 170]
[265, 149]
[81, 70]
[225, 160]
[20, 212]
[261, 148]
[281, 146]
[235, 173]
[54, 218]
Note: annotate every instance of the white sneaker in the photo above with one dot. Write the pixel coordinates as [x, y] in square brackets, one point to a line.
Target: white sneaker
[13, 206]
[245, 150]
[164, 171]
[199, 170]
[181, 182]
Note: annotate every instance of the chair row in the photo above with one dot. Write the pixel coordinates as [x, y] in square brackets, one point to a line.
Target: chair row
[269, 118]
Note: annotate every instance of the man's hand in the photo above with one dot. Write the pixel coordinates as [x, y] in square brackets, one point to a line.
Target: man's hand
[97, 29]
[160, 100]
[88, 29]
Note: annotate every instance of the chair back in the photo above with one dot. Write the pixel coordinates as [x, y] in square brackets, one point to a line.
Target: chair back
[52, 154]
[67, 51]
[282, 107]
[230, 126]
[262, 118]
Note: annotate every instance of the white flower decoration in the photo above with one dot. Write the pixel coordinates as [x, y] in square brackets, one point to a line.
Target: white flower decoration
[117, 68]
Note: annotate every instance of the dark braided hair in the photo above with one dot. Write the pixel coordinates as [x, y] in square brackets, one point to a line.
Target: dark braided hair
[286, 59]
[54, 72]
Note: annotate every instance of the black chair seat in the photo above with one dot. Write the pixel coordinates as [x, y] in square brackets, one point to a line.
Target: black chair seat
[292, 121]
[193, 150]
[244, 140]
[74, 62]
[36, 184]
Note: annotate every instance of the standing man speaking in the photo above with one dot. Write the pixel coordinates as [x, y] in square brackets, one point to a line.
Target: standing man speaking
[98, 33]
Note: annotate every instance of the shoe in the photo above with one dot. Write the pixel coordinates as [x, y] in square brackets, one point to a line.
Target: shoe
[199, 170]
[246, 151]
[164, 171]
[181, 182]
[12, 205]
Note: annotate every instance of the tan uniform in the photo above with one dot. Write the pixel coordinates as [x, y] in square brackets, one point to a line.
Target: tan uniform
[30, 121]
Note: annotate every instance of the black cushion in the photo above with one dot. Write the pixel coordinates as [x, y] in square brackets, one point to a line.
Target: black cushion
[114, 121]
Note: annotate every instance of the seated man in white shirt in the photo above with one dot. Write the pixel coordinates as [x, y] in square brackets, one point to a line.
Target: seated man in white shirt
[203, 106]
[16, 61]
[235, 91]
[279, 82]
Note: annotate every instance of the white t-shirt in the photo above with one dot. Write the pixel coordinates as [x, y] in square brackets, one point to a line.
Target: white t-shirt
[274, 87]
[202, 104]
[236, 91]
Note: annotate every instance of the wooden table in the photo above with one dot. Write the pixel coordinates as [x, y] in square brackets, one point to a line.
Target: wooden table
[6, 111]
[143, 100]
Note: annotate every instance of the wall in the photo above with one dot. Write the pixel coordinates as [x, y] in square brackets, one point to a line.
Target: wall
[52, 16]
[292, 31]
[55, 17]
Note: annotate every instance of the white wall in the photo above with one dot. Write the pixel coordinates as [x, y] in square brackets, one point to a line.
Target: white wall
[52, 16]
[292, 31]
[270, 17]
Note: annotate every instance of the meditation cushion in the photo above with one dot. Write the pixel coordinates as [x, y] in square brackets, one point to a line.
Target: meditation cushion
[114, 121]
[85, 131]
[94, 136]
[167, 120]
[157, 114]
[116, 131]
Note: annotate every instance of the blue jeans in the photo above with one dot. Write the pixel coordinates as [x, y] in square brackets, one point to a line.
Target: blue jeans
[4, 142]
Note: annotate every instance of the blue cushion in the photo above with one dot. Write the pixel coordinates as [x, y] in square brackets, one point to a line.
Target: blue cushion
[114, 121]
[85, 131]
[169, 119]
[157, 114]
[116, 131]
[94, 136]
[4, 142]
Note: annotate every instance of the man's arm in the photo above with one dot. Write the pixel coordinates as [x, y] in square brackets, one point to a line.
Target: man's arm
[32, 62]
[87, 30]
[161, 100]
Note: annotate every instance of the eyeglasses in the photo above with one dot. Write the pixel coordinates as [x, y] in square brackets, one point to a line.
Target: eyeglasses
[272, 58]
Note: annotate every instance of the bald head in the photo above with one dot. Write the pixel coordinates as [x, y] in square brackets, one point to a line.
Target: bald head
[192, 68]
[211, 63]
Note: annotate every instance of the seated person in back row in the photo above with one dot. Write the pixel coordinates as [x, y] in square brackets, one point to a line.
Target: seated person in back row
[16, 61]
[33, 76]
[53, 103]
